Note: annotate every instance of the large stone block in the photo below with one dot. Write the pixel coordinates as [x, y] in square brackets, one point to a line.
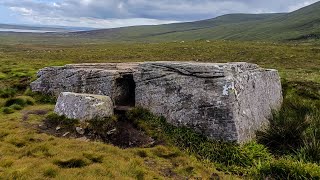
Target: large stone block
[110, 79]
[84, 106]
[227, 101]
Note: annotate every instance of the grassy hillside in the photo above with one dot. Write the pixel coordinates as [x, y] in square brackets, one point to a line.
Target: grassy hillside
[302, 24]
[137, 32]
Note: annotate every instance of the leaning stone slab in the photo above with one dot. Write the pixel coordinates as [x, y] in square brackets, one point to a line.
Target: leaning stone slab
[84, 106]
[228, 101]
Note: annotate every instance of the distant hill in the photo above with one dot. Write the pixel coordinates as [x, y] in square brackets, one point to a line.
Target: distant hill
[25, 27]
[154, 31]
[43, 28]
[298, 25]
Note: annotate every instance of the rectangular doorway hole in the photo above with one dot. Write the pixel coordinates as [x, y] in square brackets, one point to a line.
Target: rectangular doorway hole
[125, 92]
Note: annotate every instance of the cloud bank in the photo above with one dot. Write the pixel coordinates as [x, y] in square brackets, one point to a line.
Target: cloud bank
[118, 13]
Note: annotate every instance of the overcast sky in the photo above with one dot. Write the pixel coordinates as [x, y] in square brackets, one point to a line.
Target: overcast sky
[117, 13]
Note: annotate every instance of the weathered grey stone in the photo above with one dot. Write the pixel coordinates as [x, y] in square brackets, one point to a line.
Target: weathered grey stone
[224, 101]
[84, 106]
[228, 101]
[110, 79]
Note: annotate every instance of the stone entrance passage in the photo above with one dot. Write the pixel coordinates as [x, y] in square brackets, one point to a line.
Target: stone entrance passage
[224, 101]
[126, 88]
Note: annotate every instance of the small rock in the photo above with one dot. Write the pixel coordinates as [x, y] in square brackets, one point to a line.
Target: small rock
[65, 134]
[43, 127]
[152, 142]
[112, 131]
[84, 106]
[58, 128]
[85, 139]
[215, 176]
[80, 130]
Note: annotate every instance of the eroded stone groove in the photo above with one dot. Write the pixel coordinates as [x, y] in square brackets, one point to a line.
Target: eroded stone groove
[228, 101]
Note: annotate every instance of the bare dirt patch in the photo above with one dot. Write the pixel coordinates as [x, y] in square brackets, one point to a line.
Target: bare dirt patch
[26, 114]
[122, 133]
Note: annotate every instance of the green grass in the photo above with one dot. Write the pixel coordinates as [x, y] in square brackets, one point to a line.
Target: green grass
[228, 156]
[287, 169]
[56, 120]
[26, 154]
[295, 62]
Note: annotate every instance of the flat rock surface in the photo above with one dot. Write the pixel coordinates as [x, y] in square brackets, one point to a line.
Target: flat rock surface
[84, 106]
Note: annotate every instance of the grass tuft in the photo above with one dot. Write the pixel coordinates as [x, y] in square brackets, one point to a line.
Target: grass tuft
[8, 93]
[100, 126]
[40, 98]
[22, 101]
[287, 169]
[287, 127]
[7, 110]
[95, 158]
[3, 134]
[163, 152]
[310, 150]
[16, 107]
[54, 119]
[71, 163]
[50, 172]
[142, 153]
[18, 101]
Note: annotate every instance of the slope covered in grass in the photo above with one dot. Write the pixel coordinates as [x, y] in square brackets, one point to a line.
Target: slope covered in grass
[142, 32]
[303, 24]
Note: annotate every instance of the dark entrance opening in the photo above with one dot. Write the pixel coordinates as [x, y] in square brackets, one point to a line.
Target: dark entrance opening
[125, 92]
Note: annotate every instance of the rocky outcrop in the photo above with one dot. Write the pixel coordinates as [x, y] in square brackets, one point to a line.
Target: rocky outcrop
[84, 106]
[228, 101]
